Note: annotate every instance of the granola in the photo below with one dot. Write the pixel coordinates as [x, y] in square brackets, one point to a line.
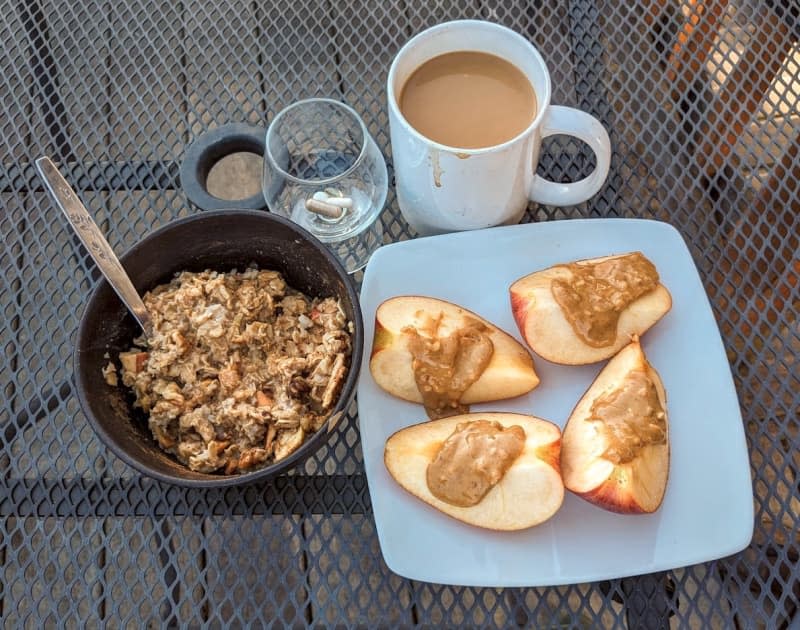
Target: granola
[240, 370]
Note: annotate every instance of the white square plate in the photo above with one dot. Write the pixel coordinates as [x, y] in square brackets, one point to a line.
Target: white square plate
[707, 512]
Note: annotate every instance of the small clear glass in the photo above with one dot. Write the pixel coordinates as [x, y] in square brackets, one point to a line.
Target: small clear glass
[324, 171]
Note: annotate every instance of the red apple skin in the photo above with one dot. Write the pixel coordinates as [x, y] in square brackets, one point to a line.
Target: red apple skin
[613, 495]
[519, 308]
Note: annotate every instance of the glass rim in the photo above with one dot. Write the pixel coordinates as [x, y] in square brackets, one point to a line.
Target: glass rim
[316, 182]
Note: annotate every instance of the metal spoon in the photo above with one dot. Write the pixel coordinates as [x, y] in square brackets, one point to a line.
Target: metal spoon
[87, 230]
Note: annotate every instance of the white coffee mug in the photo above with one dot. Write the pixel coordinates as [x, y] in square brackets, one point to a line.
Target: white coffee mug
[441, 188]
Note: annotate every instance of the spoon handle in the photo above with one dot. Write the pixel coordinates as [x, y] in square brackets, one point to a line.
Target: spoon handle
[93, 239]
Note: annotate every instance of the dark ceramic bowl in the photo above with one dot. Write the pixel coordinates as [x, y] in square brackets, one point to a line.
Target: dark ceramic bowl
[220, 240]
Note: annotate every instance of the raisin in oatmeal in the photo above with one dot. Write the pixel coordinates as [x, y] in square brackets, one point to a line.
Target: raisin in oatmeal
[240, 369]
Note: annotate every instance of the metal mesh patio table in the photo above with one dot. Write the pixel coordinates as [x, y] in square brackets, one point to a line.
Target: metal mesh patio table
[701, 102]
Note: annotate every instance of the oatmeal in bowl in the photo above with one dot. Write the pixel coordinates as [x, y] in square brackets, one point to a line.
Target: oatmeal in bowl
[240, 368]
[255, 350]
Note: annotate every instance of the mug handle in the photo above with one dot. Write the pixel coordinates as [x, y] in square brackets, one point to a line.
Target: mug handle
[573, 122]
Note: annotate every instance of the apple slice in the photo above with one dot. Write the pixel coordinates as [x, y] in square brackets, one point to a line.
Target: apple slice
[545, 327]
[529, 492]
[509, 372]
[605, 465]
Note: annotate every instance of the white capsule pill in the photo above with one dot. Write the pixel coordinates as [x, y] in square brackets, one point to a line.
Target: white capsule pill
[340, 202]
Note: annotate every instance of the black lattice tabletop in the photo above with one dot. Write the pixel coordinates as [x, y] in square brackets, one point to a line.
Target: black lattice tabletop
[700, 100]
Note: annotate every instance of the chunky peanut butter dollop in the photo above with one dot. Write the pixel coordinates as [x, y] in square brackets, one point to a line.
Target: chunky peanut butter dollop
[446, 366]
[631, 417]
[472, 460]
[595, 294]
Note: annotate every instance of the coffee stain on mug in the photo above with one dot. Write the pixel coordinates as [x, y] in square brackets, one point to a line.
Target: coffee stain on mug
[462, 156]
[437, 169]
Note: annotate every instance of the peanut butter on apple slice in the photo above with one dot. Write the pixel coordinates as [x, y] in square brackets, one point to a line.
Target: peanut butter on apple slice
[630, 418]
[616, 442]
[528, 489]
[445, 366]
[596, 293]
[587, 310]
[472, 460]
[509, 371]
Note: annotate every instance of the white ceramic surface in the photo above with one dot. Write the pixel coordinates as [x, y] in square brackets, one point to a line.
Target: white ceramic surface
[440, 188]
[708, 508]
